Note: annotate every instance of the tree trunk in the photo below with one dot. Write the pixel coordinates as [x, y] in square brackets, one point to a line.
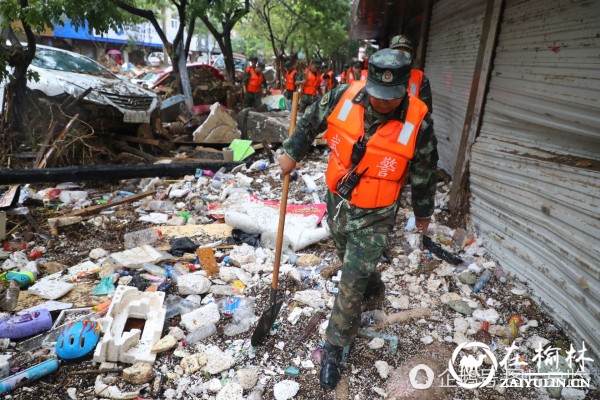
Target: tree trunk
[228, 53]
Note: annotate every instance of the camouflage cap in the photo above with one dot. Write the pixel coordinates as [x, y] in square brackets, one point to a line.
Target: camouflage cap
[401, 42]
[389, 73]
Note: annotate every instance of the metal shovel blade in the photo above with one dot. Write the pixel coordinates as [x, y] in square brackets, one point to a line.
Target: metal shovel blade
[266, 320]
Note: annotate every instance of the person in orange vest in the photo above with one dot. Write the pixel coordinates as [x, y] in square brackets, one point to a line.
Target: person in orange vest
[344, 73]
[254, 83]
[419, 84]
[309, 81]
[357, 73]
[291, 76]
[379, 136]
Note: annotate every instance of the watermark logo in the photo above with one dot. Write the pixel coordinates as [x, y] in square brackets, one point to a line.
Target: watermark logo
[480, 368]
[472, 375]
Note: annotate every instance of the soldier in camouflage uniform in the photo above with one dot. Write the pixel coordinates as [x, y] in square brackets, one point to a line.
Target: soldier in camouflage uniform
[361, 234]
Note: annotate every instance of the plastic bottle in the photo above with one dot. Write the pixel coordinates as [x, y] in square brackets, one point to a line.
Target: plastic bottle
[11, 297]
[171, 304]
[154, 269]
[310, 183]
[186, 306]
[514, 322]
[482, 280]
[217, 180]
[172, 273]
[152, 278]
[161, 205]
[201, 333]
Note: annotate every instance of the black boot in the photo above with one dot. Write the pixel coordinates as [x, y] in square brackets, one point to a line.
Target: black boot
[330, 366]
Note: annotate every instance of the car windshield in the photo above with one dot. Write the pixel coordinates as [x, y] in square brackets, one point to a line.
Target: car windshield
[60, 61]
[239, 63]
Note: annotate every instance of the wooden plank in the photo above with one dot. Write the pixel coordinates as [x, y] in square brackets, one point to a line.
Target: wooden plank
[100, 207]
[80, 296]
[218, 231]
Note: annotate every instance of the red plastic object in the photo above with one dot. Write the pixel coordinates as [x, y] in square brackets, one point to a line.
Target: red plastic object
[35, 254]
[14, 246]
[203, 109]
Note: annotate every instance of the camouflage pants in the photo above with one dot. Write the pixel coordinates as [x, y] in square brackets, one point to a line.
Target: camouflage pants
[360, 236]
[288, 94]
[252, 100]
[305, 101]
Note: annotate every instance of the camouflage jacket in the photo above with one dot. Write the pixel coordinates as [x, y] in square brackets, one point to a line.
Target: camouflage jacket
[423, 167]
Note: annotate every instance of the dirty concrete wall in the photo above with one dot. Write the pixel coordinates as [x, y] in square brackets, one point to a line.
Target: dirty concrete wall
[535, 177]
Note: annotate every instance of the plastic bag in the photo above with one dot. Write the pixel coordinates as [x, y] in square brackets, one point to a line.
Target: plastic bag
[182, 245]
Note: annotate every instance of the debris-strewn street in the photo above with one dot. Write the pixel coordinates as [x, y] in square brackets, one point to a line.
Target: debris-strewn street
[211, 276]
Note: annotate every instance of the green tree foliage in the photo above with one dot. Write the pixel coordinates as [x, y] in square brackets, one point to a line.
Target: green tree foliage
[283, 27]
[220, 17]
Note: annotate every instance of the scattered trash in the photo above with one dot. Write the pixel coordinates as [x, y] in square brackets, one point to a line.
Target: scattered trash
[25, 325]
[511, 332]
[482, 280]
[30, 374]
[77, 340]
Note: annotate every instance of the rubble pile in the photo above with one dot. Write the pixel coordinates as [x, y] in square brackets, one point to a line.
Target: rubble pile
[207, 87]
[171, 291]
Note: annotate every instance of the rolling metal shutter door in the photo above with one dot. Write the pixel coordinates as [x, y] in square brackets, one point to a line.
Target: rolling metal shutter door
[534, 171]
[454, 34]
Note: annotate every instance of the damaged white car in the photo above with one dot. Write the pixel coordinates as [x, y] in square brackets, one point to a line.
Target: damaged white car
[110, 104]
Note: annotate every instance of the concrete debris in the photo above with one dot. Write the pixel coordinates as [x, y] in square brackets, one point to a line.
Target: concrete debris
[311, 298]
[168, 342]
[231, 391]
[218, 360]
[219, 127]
[200, 317]
[383, 369]
[103, 390]
[138, 373]
[193, 284]
[193, 363]
[247, 377]
[285, 390]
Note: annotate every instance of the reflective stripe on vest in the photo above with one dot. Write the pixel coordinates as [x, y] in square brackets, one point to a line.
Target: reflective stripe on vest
[414, 84]
[388, 151]
[363, 75]
[289, 81]
[310, 84]
[254, 82]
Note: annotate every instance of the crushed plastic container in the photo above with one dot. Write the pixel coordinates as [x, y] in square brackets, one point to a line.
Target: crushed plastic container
[201, 333]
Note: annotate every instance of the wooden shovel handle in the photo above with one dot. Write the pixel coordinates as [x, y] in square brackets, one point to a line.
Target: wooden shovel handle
[284, 196]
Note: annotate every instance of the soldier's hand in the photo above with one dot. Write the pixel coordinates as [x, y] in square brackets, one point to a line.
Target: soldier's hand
[422, 224]
[287, 164]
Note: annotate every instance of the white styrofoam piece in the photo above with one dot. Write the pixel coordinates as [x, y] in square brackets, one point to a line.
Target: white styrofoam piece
[51, 289]
[136, 257]
[135, 345]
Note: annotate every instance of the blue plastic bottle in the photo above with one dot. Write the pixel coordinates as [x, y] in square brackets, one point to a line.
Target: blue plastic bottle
[482, 280]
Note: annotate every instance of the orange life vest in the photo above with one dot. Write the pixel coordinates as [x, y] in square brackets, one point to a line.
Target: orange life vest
[331, 78]
[363, 75]
[255, 82]
[414, 84]
[350, 77]
[343, 76]
[310, 84]
[388, 152]
[289, 81]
